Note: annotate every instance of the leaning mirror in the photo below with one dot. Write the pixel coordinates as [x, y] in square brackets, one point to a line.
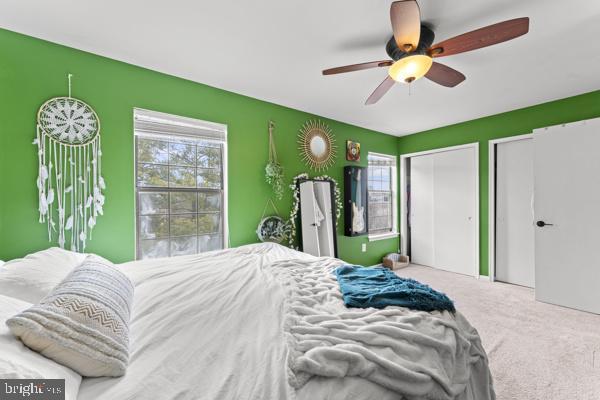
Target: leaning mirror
[317, 145]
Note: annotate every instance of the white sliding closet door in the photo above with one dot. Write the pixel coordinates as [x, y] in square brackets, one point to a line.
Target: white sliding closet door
[443, 210]
[455, 205]
[567, 211]
[421, 210]
[515, 261]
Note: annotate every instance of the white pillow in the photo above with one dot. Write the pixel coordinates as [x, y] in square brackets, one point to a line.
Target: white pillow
[83, 323]
[33, 277]
[18, 362]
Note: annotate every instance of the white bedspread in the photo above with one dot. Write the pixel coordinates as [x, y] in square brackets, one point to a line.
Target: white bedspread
[217, 326]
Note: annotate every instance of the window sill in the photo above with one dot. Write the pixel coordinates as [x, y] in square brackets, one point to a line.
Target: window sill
[383, 236]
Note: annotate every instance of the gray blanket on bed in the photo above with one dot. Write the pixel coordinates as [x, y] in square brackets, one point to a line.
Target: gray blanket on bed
[419, 355]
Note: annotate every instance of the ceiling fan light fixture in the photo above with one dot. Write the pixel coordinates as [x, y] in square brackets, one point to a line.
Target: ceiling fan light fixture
[411, 68]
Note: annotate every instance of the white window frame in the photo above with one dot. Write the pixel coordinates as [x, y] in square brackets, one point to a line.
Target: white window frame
[192, 128]
[394, 186]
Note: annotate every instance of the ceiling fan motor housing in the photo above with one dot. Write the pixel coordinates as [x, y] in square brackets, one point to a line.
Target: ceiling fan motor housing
[425, 41]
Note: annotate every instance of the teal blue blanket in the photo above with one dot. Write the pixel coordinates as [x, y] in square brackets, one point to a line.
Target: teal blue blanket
[379, 287]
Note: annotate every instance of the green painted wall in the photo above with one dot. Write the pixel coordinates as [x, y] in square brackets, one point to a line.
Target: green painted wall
[32, 70]
[482, 130]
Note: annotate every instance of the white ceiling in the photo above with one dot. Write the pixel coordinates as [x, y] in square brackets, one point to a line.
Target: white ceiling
[275, 50]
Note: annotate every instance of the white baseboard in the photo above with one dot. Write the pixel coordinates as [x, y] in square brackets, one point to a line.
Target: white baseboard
[484, 278]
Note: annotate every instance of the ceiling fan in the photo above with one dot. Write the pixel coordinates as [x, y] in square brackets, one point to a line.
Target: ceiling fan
[412, 53]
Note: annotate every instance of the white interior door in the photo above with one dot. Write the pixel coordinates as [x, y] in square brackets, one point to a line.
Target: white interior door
[421, 210]
[567, 195]
[515, 261]
[444, 210]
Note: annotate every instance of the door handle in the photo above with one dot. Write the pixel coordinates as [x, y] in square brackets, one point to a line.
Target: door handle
[542, 224]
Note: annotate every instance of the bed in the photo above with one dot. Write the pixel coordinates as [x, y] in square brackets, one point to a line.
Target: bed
[266, 322]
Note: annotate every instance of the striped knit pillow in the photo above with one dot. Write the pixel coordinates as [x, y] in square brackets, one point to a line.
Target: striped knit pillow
[83, 323]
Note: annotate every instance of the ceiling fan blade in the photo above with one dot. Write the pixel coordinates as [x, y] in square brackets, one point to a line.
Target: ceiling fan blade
[444, 75]
[483, 37]
[380, 91]
[406, 24]
[357, 67]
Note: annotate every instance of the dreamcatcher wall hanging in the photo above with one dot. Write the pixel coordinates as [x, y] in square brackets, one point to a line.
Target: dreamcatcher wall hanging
[69, 182]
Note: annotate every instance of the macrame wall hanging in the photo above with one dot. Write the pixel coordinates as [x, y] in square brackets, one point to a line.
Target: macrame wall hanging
[274, 170]
[69, 182]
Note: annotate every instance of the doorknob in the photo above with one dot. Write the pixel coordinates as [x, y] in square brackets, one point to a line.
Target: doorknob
[542, 224]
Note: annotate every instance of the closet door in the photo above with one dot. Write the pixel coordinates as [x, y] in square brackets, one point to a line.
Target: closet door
[454, 211]
[567, 203]
[421, 210]
[443, 204]
[515, 261]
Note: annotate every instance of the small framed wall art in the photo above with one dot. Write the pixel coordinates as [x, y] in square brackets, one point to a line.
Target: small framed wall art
[352, 151]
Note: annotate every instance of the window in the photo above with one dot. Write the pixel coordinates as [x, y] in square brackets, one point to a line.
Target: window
[382, 196]
[180, 185]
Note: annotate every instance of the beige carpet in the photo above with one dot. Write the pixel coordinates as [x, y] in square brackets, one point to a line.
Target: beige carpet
[537, 351]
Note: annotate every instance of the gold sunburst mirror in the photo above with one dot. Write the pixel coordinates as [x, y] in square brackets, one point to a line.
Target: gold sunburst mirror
[317, 145]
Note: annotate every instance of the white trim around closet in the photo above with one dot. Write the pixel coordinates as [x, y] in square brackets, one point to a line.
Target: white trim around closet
[492, 199]
[403, 196]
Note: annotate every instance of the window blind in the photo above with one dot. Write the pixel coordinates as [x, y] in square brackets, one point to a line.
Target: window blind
[151, 123]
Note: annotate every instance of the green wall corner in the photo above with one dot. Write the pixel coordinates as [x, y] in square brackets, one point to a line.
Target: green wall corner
[518, 122]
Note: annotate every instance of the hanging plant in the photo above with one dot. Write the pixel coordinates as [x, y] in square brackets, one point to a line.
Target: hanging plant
[274, 175]
[274, 170]
[291, 225]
